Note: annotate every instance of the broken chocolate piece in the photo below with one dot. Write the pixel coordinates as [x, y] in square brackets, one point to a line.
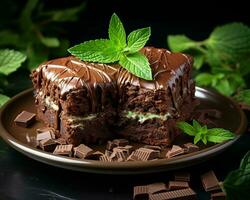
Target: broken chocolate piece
[43, 134]
[210, 181]
[175, 151]
[108, 153]
[190, 147]
[184, 194]
[47, 144]
[177, 185]
[157, 187]
[60, 141]
[182, 176]
[105, 158]
[141, 193]
[82, 151]
[116, 143]
[94, 155]
[144, 154]
[25, 119]
[63, 150]
[218, 196]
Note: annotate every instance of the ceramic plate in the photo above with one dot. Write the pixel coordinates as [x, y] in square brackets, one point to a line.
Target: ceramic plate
[232, 118]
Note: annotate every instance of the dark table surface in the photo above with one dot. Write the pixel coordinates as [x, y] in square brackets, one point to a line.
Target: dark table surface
[22, 178]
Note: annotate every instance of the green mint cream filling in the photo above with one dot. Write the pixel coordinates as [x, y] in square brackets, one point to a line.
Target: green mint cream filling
[142, 117]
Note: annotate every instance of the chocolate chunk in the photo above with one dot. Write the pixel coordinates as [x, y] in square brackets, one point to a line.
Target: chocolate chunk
[94, 155]
[47, 144]
[25, 119]
[116, 143]
[45, 134]
[190, 147]
[182, 176]
[108, 153]
[218, 196]
[144, 154]
[185, 194]
[119, 154]
[141, 193]
[63, 150]
[152, 147]
[110, 145]
[105, 158]
[60, 141]
[82, 151]
[157, 187]
[177, 185]
[210, 181]
[175, 151]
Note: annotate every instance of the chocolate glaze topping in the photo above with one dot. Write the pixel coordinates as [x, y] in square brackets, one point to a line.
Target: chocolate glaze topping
[71, 73]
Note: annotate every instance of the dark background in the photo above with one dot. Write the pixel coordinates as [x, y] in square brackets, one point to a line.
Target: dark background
[193, 18]
[22, 178]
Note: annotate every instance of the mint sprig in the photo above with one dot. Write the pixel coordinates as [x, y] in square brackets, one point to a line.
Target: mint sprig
[204, 134]
[237, 183]
[118, 49]
[222, 59]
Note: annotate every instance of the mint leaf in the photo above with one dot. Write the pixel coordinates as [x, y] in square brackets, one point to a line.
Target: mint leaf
[215, 135]
[237, 182]
[243, 96]
[187, 128]
[3, 99]
[180, 43]
[10, 61]
[137, 64]
[116, 50]
[233, 39]
[218, 135]
[197, 138]
[199, 60]
[50, 41]
[196, 125]
[245, 162]
[138, 38]
[204, 79]
[101, 50]
[117, 32]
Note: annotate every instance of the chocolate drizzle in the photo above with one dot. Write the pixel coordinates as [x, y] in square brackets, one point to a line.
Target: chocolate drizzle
[70, 73]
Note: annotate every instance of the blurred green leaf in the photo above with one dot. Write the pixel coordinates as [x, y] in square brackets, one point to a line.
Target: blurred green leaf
[3, 99]
[232, 39]
[199, 60]
[50, 41]
[180, 43]
[8, 38]
[243, 96]
[10, 61]
[65, 15]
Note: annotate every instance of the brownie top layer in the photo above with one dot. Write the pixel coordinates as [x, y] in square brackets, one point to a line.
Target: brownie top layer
[70, 73]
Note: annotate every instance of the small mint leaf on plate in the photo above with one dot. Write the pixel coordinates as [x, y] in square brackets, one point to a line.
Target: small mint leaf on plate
[187, 128]
[218, 135]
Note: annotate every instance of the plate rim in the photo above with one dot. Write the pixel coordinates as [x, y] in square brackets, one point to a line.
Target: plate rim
[135, 167]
